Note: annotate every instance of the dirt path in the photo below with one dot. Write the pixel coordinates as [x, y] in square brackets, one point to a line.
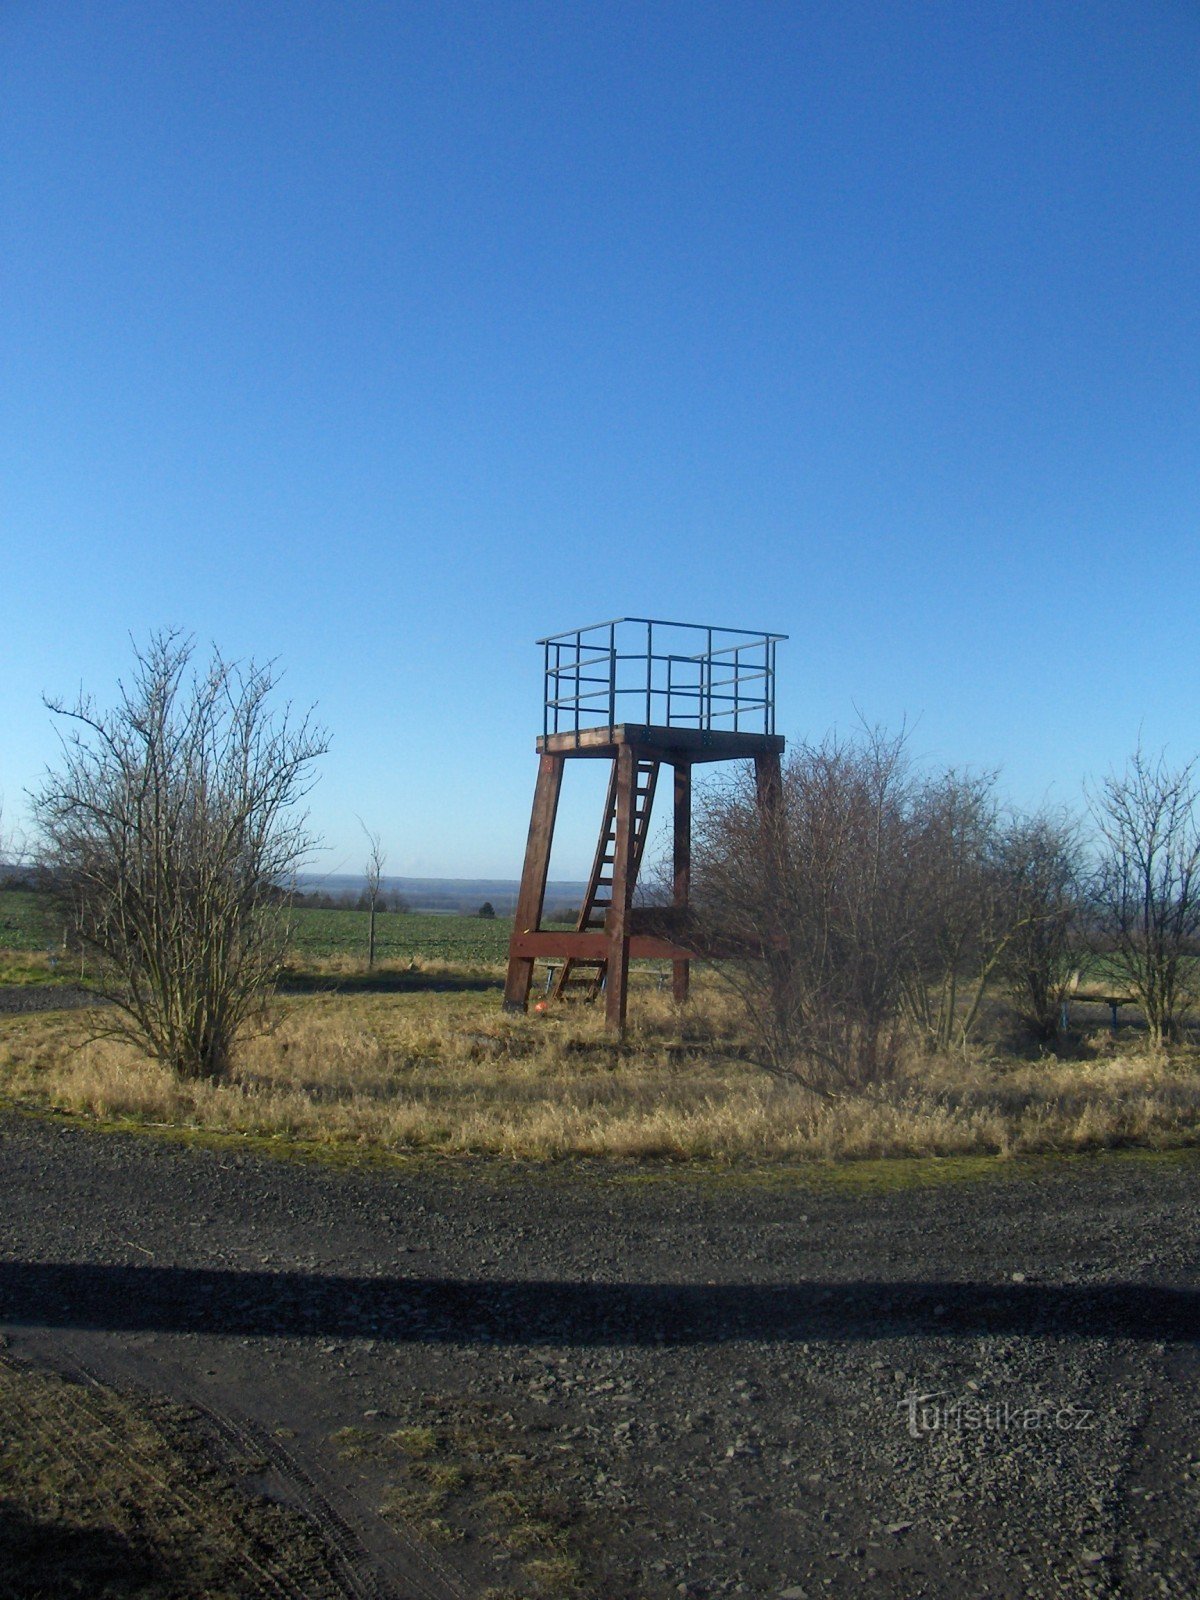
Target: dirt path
[577, 1382]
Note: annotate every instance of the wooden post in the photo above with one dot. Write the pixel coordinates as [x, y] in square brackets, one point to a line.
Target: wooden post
[681, 970]
[768, 780]
[616, 982]
[533, 878]
[596, 954]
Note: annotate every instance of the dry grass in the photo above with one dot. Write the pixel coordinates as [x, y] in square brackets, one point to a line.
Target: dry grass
[107, 1496]
[448, 1071]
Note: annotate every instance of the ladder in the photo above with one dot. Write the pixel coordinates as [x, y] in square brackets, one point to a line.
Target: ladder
[583, 977]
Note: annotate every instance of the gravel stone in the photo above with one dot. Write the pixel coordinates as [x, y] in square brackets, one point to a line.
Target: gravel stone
[731, 1388]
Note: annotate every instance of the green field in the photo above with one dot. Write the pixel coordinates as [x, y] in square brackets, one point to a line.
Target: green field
[26, 924]
[400, 936]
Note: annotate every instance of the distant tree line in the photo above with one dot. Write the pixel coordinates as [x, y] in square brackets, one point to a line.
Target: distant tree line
[344, 900]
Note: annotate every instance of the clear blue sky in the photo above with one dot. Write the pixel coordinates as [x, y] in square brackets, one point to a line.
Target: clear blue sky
[385, 338]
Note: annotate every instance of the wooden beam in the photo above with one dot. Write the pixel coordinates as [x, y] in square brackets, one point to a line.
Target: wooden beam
[682, 868]
[552, 944]
[697, 744]
[768, 780]
[532, 895]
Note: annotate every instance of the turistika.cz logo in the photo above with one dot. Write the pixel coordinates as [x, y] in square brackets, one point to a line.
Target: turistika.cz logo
[926, 1414]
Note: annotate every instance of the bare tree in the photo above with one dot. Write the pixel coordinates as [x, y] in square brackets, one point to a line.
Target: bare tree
[12, 852]
[868, 903]
[814, 892]
[171, 831]
[373, 875]
[1146, 892]
[961, 904]
[1042, 864]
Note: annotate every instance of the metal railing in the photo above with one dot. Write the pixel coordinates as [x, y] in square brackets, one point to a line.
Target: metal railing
[661, 674]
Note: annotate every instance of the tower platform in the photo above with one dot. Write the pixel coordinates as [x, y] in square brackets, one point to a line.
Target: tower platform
[707, 694]
[674, 743]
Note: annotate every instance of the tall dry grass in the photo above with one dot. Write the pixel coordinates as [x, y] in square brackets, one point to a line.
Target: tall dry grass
[450, 1072]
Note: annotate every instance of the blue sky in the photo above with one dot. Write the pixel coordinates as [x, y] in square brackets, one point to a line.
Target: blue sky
[383, 339]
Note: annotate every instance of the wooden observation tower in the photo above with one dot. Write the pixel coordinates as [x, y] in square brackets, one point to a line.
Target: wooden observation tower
[641, 694]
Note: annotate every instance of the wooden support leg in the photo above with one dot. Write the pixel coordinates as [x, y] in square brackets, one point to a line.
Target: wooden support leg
[768, 781]
[768, 784]
[533, 879]
[616, 983]
[681, 970]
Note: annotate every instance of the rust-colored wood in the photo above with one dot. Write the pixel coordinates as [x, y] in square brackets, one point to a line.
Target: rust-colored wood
[698, 744]
[556, 944]
[596, 956]
[623, 874]
[682, 868]
[768, 780]
[532, 895]
[553, 944]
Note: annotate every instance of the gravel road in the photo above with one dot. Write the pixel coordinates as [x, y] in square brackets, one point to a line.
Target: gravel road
[704, 1387]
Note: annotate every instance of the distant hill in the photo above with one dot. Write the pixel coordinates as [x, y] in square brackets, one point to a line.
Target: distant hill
[445, 894]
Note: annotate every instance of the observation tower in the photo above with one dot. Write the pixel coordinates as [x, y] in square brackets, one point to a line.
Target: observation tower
[641, 694]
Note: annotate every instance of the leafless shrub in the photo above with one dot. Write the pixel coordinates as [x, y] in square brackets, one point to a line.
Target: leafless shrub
[373, 876]
[1041, 858]
[170, 828]
[1146, 890]
[965, 910]
[873, 903]
[14, 855]
[814, 892]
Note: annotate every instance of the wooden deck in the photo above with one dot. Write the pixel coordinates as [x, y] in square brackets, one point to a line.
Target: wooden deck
[692, 744]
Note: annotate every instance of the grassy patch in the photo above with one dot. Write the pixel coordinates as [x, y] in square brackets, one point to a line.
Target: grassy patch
[38, 967]
[27, 922]
[399, 936]
[103, 1496]
[326, 947]
[415, 1442]
[396, 1076]
[473, 1475]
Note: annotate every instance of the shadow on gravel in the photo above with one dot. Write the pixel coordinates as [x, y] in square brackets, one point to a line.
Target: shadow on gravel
[297, 1304]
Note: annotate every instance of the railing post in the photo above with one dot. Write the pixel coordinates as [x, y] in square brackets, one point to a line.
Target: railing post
[708, 677]
[578, 687]
[563, 679]
[612, 674]
[649, 668]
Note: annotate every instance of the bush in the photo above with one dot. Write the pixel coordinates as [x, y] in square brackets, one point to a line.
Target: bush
[170, 829]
